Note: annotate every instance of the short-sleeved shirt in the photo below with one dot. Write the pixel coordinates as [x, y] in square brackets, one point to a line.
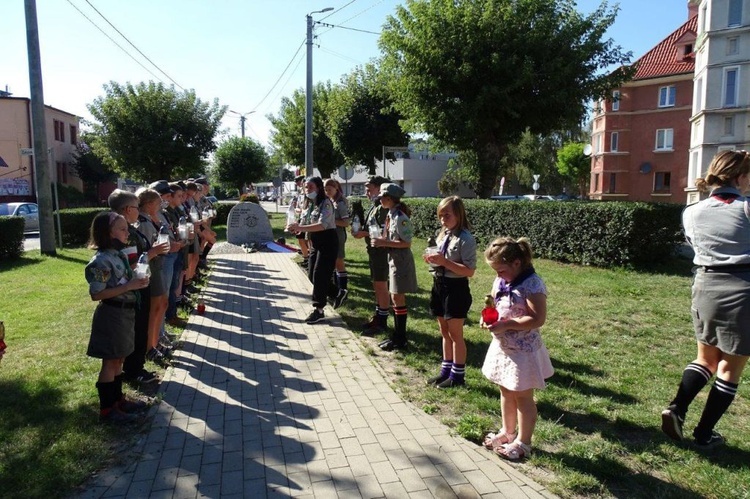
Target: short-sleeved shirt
[718, 228]
[402, 272]
[459, 247]
[108, 269]
[322, 213]
[342, 209]
[399, 226]
[376, 215]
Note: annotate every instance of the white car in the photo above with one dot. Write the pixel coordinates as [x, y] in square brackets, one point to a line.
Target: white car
[29, 212]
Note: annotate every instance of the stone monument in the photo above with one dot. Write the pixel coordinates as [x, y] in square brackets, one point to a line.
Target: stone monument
[248, 223]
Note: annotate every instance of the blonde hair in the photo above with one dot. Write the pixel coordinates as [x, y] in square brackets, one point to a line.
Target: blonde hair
[724, 169]
[507, 250]
[336, 185]
[456, 204]
[146, 195]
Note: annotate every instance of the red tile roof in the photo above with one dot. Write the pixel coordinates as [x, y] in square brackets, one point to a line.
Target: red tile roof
[662, 60]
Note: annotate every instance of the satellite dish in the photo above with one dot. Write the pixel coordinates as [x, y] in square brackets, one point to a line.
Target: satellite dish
[645, 168]
[346, 172]
[587, 150]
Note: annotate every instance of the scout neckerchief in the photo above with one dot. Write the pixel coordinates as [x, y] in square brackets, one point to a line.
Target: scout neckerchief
[507, 289]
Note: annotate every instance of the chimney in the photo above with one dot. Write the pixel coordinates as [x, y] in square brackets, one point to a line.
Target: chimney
[692, 9]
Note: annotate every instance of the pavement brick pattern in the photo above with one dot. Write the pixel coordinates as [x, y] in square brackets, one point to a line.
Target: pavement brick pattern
[260, 404]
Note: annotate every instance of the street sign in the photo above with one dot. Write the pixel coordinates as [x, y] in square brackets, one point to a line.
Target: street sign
[277, 182]
[27, 151]
[346, 172]
[536, 178]
[535, 186]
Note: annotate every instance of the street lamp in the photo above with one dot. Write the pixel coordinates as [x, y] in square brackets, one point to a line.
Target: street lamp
[242, 120]
[308, 94]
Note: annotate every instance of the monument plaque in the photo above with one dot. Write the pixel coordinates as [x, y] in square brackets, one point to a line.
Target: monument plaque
[248, 223]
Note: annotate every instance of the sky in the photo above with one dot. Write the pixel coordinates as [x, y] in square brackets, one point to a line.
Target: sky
[248, 54]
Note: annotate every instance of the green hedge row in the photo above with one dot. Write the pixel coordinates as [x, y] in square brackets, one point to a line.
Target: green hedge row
[607, 234]
[11, 242]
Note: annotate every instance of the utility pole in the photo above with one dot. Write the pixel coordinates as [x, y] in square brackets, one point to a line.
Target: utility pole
[242, 120]
[41, 170]
[309, 96]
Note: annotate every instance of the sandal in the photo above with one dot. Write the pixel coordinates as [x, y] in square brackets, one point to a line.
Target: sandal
[515, 451]
[495, 440]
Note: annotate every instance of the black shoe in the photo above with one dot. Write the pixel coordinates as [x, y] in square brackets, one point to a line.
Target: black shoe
[203, 264]
[116, 416]
[304, 264]
[390, 345]
[315, 316]
[131, 406]
[713, 441]
[671, 424]
[373, 330]
[140, 377]
[190, 288]
[340, 298]
[451, 383]
[372, 322]
[436, 380]
[157, 357]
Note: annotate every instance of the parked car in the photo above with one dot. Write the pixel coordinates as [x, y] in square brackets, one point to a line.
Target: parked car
[212, 199]
[506, 197]
[29, 212]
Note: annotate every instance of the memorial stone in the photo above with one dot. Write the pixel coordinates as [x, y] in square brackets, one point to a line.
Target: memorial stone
[248, 223]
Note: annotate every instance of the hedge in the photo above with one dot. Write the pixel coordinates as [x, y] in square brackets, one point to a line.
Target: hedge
[11, 242]
[604, 234]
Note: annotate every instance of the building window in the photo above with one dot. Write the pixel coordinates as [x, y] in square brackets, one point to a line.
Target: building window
[733, 45]
[73, 135]
[697, 107]
[661, 181]
[59, 130]
[596, 183]
[616, 100]
[614, 141]
[729, 125]
[597, 143]
[735, 13]
[693, 168]
[664, 139]
[62, 173]
[731, 87]
[612, 183]
[667, 96]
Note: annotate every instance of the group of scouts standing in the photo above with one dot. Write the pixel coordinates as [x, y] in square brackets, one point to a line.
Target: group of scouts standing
[151, 248]
[517, 359]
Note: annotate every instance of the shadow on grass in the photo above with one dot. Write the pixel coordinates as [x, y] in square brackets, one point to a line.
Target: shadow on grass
[18, 263]
[39, 460]
[677, 266]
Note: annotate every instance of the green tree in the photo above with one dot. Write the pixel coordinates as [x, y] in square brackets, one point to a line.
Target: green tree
[531, 155]
[90, 168]
[239, 161]
[361, 118]
[288, 136]
[149, 131]
[575, 165]
[476, 74]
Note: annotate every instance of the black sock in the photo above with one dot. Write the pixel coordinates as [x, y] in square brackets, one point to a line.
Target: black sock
[107, 396]
[719, 399]
[400, 315]
[382, 316]
[445, 368]
[342, 279]
[206, 250]
[694, 378]
[458, 372]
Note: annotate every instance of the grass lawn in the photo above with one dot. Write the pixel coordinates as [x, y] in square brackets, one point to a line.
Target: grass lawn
[618, 339]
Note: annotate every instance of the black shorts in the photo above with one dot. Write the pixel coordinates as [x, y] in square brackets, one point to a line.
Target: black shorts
[379, 270]
[301, 235]
[450, 298]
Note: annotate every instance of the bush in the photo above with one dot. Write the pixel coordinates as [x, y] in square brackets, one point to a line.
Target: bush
[222, 213]
[250, 198]
[11, 241]
[604, 234]
[76, 225]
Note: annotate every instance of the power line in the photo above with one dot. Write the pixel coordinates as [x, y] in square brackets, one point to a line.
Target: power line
[291, 73]
[132, 45]
[340, 56]
[280, 76]
[354, 16]
[344, 27]
[338, 10]
[113, 41]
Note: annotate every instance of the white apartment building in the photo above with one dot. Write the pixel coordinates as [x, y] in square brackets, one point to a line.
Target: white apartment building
[721, 96]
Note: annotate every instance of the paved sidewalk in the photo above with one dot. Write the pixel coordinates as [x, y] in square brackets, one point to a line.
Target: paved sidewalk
[261, 404]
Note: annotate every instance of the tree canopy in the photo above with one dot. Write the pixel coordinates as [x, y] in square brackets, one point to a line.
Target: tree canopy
[239, 161]
[476, 74]
[288, 136]
[361, 118]
[149, 131]
[575, 165]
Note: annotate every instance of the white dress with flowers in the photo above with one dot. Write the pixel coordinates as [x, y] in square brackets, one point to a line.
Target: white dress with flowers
[517, 360]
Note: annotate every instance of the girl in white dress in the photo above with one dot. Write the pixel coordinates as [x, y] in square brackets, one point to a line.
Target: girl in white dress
[517, 359]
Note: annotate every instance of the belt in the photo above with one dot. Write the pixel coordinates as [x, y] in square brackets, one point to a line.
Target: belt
[119, 303]
[727, 269]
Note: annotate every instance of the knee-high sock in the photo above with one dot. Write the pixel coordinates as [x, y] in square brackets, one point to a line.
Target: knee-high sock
[719, 399]
[694, 378]
[399, 319]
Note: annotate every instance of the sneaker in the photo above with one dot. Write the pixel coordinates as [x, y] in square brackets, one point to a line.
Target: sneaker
[157, 357]
[671, 424]
[451, 383]
[142, 376]
[373, 322]
[436, 380]
[340, 298]
[713, 441]
[373, 330]
[116, 416]
[304, 263]
[315, 316]
[166, 352]
[390, 345]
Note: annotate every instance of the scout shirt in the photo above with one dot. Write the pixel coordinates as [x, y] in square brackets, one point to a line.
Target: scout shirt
[456, 246]
[109, 269]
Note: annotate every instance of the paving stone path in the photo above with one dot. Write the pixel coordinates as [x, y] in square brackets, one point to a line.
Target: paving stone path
[260, 404]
